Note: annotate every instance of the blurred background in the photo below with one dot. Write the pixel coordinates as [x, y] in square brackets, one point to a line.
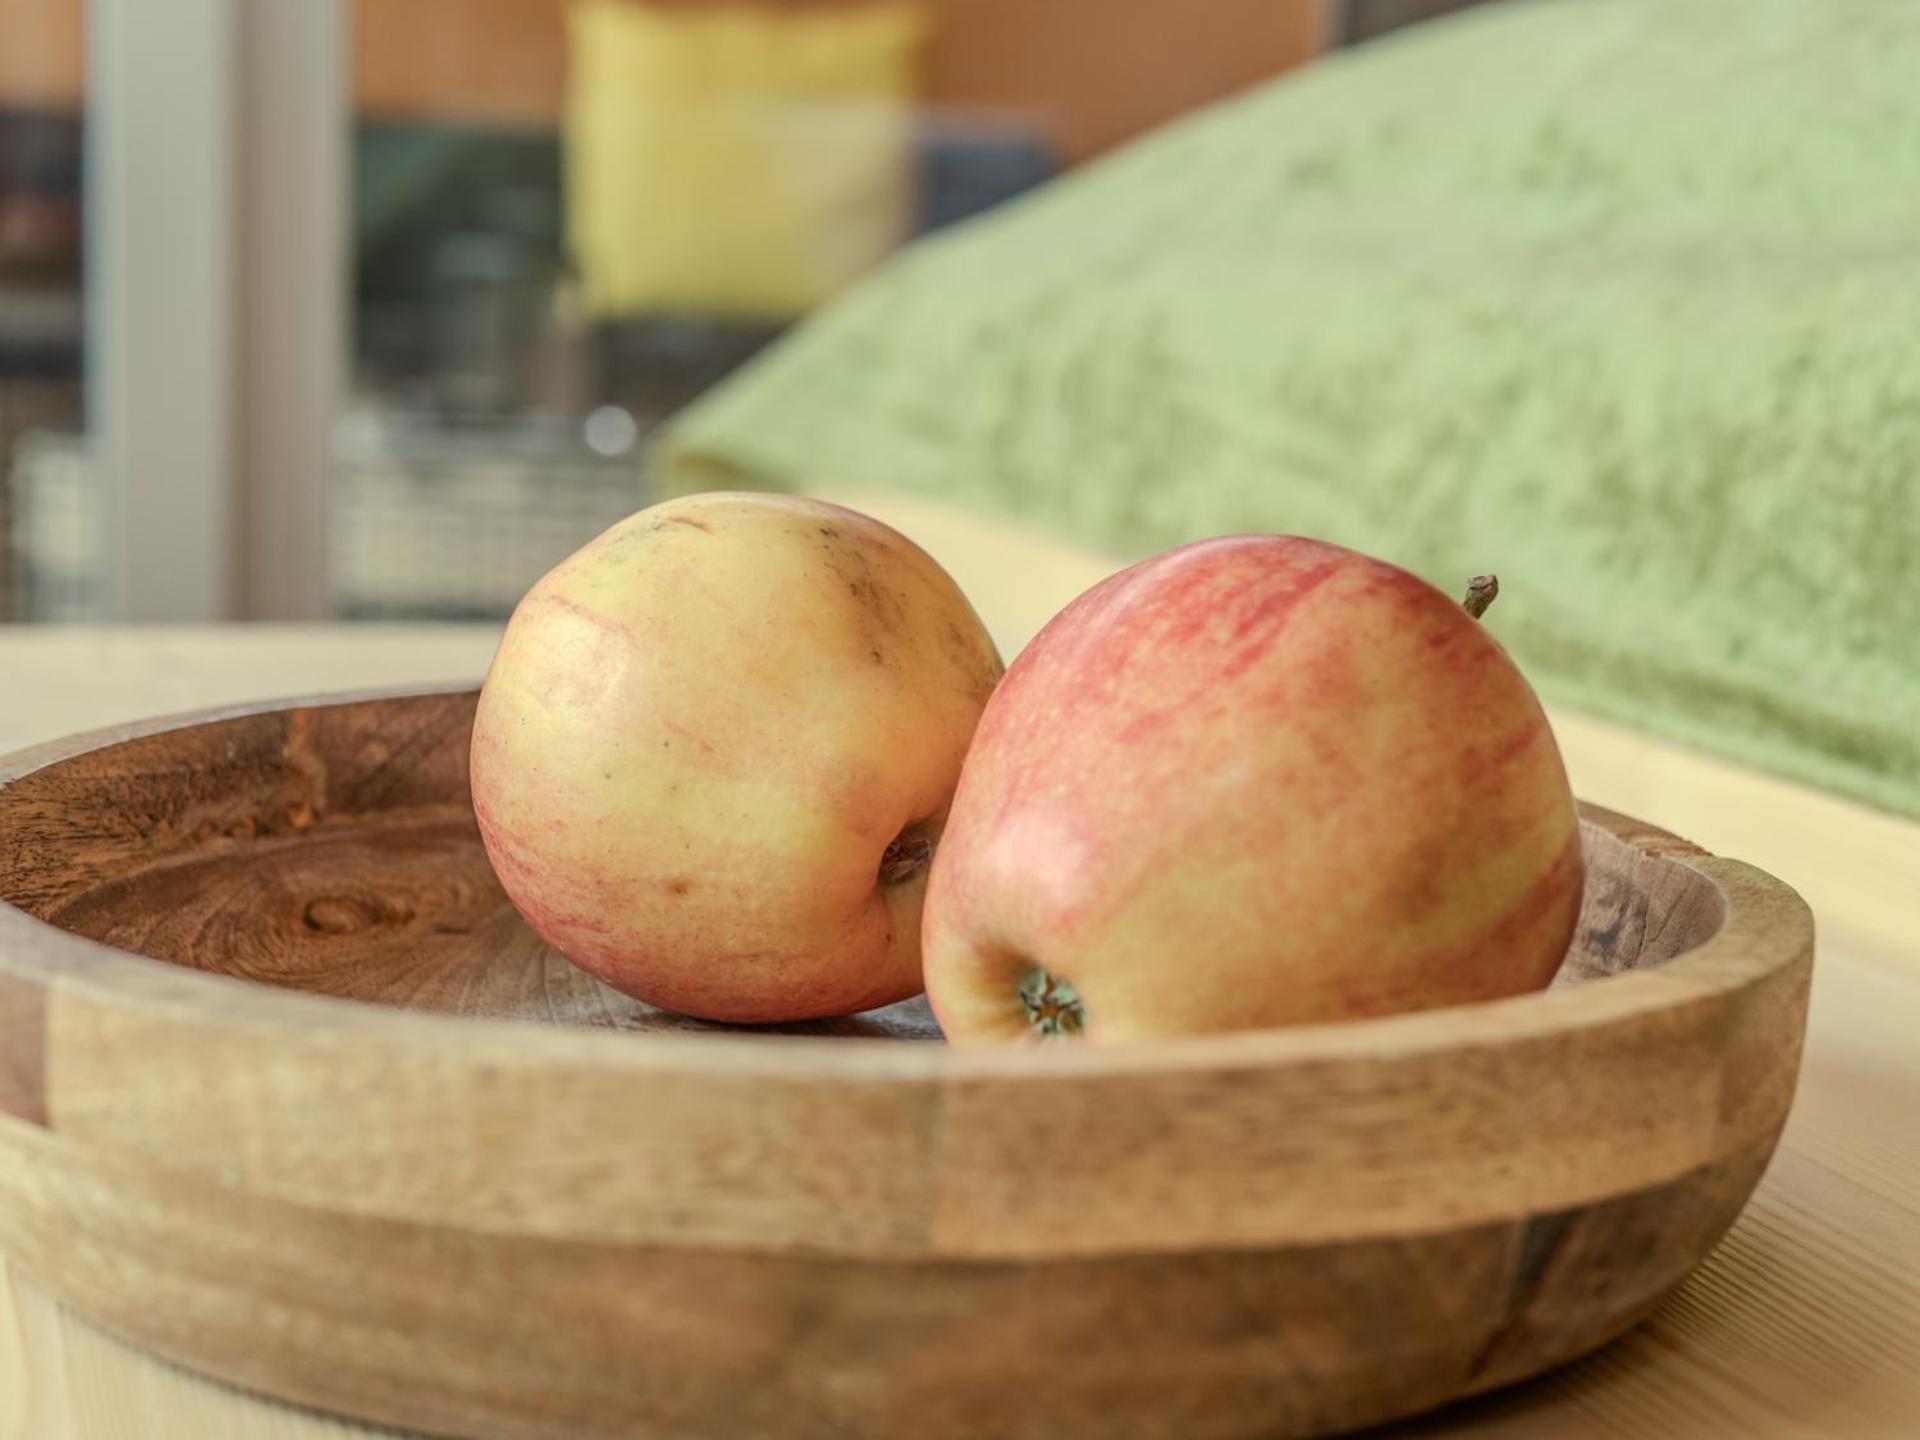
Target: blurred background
[369, 308]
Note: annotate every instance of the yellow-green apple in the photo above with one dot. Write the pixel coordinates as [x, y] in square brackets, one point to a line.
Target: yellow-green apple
[1255, 781]
[715, 750]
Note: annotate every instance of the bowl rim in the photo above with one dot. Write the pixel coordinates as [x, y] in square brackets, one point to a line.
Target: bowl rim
[1765, 926]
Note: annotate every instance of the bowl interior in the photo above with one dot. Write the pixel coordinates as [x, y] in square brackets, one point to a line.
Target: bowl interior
[332, 849]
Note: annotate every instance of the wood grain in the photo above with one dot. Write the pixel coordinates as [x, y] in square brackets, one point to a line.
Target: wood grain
[23, 1050]
[1223, 1343]
[459, 1220]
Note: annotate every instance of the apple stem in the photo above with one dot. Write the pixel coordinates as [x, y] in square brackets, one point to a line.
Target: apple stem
[1482, 591]
[906, 856]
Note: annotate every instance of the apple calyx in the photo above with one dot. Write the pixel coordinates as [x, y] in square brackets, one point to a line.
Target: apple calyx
[906, 855]
[1054, 1009]
[1482, 591]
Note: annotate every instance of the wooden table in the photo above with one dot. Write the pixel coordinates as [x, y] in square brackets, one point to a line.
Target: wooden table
[1805, 1322]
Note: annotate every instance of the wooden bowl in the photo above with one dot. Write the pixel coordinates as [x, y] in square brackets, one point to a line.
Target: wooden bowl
[289, 1094]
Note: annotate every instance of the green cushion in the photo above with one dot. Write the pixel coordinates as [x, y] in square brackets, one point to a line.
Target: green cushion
[1620, 300]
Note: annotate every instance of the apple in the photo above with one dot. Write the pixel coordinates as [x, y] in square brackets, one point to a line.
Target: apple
[1255, 781]
[715, 750]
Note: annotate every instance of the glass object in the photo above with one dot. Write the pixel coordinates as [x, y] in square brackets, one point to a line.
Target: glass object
[565, 220]
[569, 221]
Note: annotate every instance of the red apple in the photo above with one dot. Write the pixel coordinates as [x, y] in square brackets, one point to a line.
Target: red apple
[716, 747]
[1254, 781]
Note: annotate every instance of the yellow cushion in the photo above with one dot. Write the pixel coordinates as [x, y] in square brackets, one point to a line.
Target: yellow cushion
[736, 161]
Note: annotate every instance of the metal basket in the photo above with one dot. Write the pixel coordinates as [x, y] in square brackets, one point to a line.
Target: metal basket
[442, 521]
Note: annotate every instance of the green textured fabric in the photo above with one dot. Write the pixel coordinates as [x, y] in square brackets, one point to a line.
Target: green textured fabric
[1618, 298]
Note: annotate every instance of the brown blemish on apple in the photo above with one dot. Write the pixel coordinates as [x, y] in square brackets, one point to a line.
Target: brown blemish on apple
[850, 561]
[592, 617]
[662, 522]
[678, 885]
[705, 745]
[982, 669]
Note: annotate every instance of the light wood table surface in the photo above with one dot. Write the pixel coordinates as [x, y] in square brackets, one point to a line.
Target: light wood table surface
[1805, 1322]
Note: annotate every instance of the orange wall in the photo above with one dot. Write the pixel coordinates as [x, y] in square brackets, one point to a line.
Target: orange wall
[496, 60]
[1103, 70]
[1095, 70]
[40, 56]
